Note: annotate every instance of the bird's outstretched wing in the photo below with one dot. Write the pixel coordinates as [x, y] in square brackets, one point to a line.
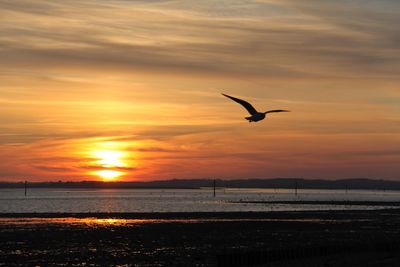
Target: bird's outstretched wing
[277, 110]
[245, 104]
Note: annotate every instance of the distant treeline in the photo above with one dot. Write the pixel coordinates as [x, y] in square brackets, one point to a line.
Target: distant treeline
[244, 183]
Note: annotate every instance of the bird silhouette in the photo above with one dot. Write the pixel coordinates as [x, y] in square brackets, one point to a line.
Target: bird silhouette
[255, 115]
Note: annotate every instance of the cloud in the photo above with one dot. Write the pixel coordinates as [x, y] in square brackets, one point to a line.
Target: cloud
[99, 168]
[313, 39]
[54, 169]
[158, 149]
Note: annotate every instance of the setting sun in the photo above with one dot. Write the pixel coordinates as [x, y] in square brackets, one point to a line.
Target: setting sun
[110, 157]
[109, 175]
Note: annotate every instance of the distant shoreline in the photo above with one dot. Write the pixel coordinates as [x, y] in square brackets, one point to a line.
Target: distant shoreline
[276, 183]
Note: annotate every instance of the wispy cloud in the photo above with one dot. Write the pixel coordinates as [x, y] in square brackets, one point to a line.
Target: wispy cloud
[312, 39]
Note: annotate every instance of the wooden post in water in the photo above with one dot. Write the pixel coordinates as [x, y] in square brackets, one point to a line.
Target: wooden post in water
[295, 189]
[26, 186]
[214, 187]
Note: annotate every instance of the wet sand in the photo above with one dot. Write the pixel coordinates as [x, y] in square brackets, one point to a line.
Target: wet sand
[325, 238]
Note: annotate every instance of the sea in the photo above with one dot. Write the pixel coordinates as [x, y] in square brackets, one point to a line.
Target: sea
[40, 200]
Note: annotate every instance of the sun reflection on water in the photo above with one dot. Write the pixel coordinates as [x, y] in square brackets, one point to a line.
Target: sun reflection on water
[115, 222]
[88, 221]
[106, 222]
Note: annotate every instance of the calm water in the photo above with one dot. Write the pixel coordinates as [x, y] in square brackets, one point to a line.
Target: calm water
[180, 200]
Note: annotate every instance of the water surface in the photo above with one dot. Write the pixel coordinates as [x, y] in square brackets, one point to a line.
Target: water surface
[183, 200]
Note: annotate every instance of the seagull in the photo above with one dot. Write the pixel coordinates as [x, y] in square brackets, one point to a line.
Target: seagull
[255, 115]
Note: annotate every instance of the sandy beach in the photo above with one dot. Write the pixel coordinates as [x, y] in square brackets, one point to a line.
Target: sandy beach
[334, 238]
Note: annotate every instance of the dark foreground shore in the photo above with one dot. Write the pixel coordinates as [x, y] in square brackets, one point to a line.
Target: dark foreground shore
[325, 238]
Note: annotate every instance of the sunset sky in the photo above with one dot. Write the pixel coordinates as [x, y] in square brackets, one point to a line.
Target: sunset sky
[131, 90]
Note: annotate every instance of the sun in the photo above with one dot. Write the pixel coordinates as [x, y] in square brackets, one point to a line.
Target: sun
[109, 158]
[109, 175]
[111, 161]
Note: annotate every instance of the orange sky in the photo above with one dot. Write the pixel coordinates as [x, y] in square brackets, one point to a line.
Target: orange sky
[130, 90]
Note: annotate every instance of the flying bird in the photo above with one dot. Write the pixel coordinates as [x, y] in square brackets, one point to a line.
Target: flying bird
[255, 115]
